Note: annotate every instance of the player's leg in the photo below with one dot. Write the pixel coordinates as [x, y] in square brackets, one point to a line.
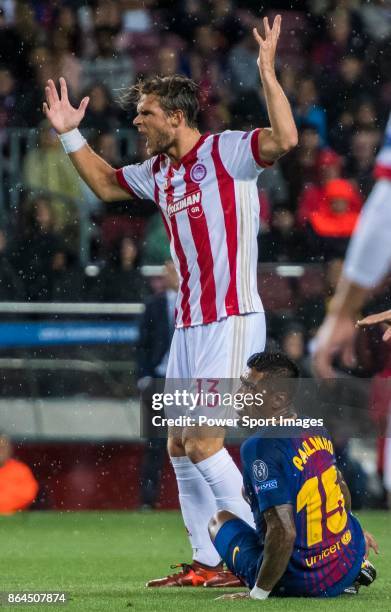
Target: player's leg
[237, 544]
[196, 499]
[222, 350]
[195, 496]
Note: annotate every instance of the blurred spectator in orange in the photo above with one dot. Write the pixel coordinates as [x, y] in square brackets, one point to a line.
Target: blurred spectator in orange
[328, 167]
[18, 487]
[331, 225]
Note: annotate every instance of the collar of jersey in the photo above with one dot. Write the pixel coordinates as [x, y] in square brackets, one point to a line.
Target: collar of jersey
[192, 154]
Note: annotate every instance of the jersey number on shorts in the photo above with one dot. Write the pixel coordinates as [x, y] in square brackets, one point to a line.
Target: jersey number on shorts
[331, 508]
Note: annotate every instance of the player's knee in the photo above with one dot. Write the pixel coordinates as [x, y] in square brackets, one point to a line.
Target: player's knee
[198, 449]
[175, 447]
[218, 520]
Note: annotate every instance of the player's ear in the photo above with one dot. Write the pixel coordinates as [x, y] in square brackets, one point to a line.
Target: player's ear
[176, 118]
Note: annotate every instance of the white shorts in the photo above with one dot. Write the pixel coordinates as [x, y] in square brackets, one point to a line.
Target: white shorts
[216, 350]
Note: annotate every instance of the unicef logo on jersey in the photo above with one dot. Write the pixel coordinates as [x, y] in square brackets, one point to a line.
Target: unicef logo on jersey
[260, 470]
[198, 173]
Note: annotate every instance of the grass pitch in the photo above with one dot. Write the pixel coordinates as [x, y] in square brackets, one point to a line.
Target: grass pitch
[102, 560]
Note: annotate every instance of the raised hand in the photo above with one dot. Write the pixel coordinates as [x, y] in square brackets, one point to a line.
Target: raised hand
[61, 114]
[267, 45]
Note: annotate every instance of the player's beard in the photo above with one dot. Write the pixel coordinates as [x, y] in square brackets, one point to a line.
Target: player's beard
[161, 145]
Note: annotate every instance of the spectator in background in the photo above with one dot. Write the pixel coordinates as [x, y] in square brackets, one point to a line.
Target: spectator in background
[18, 486]
[168, 61]
[30, 99]
[32, 254]
[242, 64]
[307, 109]
[376, 20]
[64, 61]
[66, 22]
[312, 307]
[293, 343]
[14, 47]
[156, 330]
[331, 225]
[189, 14]
[283, 243]
[121, 280]
[361, 159]
[101, 113]
[366, 115]
[274, 185]
[108, 67]
[11, 288]
[48, 168]
[9, 115]
[301, 168]
[341, 38]
[207, 68]
[350, 84]
[156, 246]
[67, 277]
[328, 167]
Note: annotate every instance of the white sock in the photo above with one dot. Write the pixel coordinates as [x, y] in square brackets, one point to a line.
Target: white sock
[226, 481]
[198, 505]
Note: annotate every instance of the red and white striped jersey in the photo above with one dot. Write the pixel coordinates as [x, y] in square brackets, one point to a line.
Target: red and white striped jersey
[210, 208]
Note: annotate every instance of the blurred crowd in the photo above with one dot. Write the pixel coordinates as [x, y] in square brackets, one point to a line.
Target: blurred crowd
[333, 60]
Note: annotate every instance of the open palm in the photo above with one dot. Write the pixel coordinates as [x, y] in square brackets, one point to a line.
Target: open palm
[61, 114]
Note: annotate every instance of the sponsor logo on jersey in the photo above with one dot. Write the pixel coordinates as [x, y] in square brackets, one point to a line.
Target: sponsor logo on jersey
[198, 173]
[260, 471]
[191, 202]
[269, 484]
[330, 550]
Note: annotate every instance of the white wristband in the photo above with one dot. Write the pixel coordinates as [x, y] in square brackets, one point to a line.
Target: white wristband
[257, 593]
[72, 141]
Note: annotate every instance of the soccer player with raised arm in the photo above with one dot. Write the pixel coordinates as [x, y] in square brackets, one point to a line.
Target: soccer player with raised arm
[206, 189]
[306, 542]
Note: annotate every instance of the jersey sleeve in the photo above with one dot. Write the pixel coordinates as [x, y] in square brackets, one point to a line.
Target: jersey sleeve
[239, 154]
[264, 463]
[368, 258]
[138, 179]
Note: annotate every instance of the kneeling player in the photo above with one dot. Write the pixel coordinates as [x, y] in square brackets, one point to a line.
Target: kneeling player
[306, 541]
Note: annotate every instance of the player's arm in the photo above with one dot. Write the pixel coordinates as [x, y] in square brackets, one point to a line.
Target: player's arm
[345, 491]
[367, 262]
[279, 541]
[65, 119]
[282, 136]
[370, 540]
